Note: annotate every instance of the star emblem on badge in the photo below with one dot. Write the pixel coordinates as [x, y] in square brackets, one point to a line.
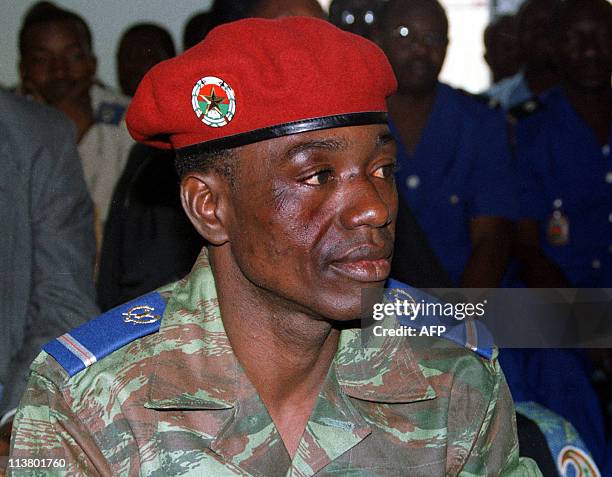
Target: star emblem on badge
[213, 101]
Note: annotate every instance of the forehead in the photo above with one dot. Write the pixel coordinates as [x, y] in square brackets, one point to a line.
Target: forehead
[586, 18]
[353, 5]
[357, 141]
[425, 14]
[41, 34]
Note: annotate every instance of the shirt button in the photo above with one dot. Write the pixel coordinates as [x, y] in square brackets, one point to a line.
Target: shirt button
[454, 199]
[413, 182]
[596, 264]
[609, 177]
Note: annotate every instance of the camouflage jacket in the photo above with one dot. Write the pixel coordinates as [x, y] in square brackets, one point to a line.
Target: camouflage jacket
[177, 402]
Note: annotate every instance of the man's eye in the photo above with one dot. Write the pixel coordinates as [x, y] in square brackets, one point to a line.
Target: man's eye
[384, 172]
[319, 178]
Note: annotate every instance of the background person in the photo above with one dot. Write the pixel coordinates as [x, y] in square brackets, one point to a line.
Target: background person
[57, 67]
[47, 246]
[454, 163]
[141, 47]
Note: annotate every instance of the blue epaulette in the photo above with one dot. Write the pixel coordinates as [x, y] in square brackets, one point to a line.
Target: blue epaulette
[471, 334]
[92, 341]
[109, 113]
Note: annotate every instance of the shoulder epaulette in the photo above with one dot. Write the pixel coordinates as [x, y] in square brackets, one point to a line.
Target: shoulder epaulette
[468, 333]
[524, 109]
[109, 113]
[92, 341]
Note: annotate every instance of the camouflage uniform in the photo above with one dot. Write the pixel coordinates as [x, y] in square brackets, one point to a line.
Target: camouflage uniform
[177, 402]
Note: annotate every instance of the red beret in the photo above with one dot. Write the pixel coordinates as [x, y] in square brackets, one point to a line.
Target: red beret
[256, 79]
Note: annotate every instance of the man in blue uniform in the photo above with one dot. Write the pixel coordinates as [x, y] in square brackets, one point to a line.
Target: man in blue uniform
[563, 154]
[564, 147]
[454, 158]
[536, 48]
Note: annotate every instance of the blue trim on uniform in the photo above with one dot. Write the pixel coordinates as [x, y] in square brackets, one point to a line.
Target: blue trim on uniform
[456, 332]
[106, 333]
[109, 113]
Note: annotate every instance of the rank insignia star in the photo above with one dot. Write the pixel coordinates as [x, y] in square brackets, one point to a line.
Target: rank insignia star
[213, 101]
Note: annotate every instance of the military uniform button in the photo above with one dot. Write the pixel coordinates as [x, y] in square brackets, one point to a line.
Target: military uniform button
[596, 264]
[413, 181]
[454, 199]
[530, 106]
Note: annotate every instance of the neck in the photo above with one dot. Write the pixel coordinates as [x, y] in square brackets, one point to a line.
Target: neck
[286, 353]
[595, 107]
[410, 114]
[540, 80]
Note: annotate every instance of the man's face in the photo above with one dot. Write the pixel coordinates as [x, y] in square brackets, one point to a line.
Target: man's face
[314, 217]
[415, 42]
[502, 49]
[56, 61]
[586, 51]
[138, 53]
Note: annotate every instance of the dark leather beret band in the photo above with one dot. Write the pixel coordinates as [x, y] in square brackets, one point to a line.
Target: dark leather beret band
[328, 122]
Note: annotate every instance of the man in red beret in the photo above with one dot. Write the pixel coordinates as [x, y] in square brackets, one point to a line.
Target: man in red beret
[251, 365]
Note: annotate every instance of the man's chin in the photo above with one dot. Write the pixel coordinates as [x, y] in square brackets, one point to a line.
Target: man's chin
[56, 94]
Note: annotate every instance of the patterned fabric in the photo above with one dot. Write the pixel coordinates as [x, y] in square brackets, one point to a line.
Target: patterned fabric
[569, 452]
[177, 402]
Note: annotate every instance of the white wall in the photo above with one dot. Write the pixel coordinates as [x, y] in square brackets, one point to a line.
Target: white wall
[465, 66]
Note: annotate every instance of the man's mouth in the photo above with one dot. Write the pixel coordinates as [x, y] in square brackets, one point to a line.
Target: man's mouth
[365, 264]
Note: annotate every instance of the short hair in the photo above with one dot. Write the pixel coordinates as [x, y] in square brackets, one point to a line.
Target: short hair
[222, 161]
[151, 30]
[497, 24]
[434, 5]
[565, 12]
[46, 12]
[527, 7]
[196, 29]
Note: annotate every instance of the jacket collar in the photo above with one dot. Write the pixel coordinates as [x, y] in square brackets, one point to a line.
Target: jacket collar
[205, 373]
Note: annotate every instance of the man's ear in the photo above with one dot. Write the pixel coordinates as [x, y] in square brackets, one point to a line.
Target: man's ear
[206, 200]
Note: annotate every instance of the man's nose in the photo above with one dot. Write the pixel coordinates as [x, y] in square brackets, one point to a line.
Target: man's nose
[58, 67]
[366, 204]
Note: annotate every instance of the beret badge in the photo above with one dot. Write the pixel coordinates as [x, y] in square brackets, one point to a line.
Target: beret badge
[213, 101]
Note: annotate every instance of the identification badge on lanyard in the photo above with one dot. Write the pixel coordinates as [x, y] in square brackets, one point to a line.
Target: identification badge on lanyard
[558, 226]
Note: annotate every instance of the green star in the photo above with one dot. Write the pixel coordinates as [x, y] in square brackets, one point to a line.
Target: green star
[213, 101]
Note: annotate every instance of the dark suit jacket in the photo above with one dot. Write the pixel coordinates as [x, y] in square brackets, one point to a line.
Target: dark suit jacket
[47, 246]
